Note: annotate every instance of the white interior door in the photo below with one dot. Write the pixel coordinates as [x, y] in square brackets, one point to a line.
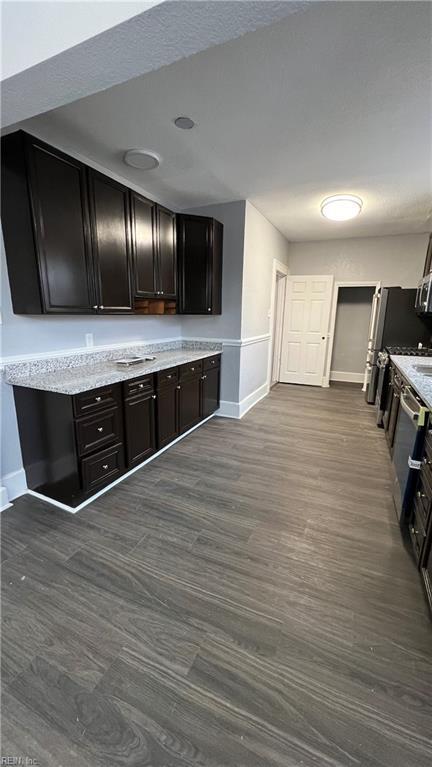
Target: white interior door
[305, 333]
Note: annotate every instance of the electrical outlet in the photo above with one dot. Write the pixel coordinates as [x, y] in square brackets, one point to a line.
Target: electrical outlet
[89, 339]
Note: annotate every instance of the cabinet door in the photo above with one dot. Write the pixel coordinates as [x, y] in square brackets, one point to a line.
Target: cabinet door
[189, 403]
[60, 210]
[109, 207]
[210, 392]
[193, 244]
[167, 415]
[144, 246]
[140, 429]
[167, 258]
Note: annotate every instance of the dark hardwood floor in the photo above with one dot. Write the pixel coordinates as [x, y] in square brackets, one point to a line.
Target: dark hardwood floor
[243, 601]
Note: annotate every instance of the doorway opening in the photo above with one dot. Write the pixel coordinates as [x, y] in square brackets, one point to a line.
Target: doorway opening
[277, 309]
[351, 326]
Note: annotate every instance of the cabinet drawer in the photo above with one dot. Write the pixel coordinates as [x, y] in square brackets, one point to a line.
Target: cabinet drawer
[211, 362]
[98, 430]
[167, 377]
[102, 467]
[191, 369]
[97, 399]
[144, 385]
[416, 529]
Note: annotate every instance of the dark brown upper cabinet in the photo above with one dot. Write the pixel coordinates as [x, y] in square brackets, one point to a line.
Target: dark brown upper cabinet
[46, 228]
[144, 246]
[166, 236]
[110, 228]
[199, 243]
[154, 249]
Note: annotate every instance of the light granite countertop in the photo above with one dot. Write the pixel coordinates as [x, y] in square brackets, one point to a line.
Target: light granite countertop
[101, 372]
[419, 381]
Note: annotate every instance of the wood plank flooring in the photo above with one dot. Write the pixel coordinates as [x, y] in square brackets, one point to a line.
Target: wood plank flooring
[243, 601]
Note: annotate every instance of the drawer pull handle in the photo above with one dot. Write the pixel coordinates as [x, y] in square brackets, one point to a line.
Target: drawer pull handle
[420, 494]
[170, 376]
[98, 399]
[212, 362]
[95, 307]
[178, 387]
[153, 396]
[100, 428]
[141, 386]
[209, 309]
[203, 378]
[105, 466]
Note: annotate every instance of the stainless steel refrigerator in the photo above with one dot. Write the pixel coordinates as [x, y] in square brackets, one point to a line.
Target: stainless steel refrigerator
[396, 324]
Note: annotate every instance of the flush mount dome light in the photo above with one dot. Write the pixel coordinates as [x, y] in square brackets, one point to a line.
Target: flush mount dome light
[341, 207]
[141, 159]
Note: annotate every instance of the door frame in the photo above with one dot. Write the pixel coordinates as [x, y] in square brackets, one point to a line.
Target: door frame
[280, 268]
[333, 312]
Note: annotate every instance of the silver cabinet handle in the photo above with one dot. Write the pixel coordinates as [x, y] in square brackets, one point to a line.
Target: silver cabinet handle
[153, 396]
[203, 378]
[192, 369]
[101, 306]
[170, 376]
[100, 428]
[161, 292]
[98, 399]
[105, 466]
[141, 386]
[209, 309]
[178, 387]
[95, 307]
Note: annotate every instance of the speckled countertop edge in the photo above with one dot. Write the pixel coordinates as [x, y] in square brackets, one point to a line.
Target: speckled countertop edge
[420, 382]
[75, 379]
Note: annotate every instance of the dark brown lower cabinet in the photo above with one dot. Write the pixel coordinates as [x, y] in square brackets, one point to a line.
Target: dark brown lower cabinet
[210, 392]
[167, 415]
[189, 403]
[74, 445]
[140, 428]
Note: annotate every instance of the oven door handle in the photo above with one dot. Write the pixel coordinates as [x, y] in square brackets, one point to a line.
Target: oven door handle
[418, 416]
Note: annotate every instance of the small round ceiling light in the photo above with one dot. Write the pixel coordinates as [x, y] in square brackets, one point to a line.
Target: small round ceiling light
[185, 123]
[141, 159]
[341, 207]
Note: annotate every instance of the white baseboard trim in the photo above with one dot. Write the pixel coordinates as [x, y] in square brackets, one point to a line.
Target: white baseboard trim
[75, 509]
[237, 410]
[4, 500]
[340, 375]
[15, 484]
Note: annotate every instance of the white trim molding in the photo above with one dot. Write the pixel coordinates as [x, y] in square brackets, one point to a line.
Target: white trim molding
[340, 375]
[4, 500]
[14, 484]
[237, 410]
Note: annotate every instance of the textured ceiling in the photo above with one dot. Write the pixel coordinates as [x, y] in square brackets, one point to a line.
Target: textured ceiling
[336, 98]
[159, 36]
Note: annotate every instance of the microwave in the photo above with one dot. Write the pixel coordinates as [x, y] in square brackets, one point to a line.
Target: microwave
[423, 302]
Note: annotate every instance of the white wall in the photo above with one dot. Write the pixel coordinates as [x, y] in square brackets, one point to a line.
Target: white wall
[394, 260]
[263, 244]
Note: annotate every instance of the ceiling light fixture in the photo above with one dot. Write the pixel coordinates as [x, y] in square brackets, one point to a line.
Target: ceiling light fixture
[141, 159]
[185, 123]
[341, 207]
